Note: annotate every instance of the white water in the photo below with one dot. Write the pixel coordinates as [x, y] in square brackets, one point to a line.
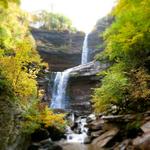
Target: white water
[59, 98]
[85, 50]
[59, 89]
[78, 138]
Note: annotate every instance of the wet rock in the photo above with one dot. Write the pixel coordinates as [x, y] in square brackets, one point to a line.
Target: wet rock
[106, 137]
[142, 142]
[89, 69]
[91, 118]
[74, 126]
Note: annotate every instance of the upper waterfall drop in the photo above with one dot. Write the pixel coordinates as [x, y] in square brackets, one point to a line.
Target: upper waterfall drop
[85, 50]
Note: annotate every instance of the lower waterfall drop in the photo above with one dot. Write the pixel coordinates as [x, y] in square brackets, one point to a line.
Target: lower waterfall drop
[59, 89]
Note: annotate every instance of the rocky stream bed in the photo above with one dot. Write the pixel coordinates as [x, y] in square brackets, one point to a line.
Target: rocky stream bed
[102, 132]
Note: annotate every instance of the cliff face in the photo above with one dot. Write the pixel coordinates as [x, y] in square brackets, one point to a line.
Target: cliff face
[82, 81]
[61, 50]
[95, 39]
[10, 129]
[83, 78]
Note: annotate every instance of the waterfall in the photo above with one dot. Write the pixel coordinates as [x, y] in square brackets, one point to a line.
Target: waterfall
[59, 89]
[85, 50]
[59, 98]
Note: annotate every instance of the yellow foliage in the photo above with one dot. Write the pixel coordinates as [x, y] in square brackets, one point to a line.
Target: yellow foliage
[139, 87]
[48, 118]
[39, 115]
[17, 53]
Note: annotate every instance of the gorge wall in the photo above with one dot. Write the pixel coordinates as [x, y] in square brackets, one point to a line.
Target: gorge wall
[95, 39]
[82, 81]
[62, 50]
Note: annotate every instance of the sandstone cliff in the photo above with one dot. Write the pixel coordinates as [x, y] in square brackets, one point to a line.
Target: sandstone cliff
[61, 50]
[95, 39]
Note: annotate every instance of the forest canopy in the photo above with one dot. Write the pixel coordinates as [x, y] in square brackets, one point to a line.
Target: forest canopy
[20, 64]
[127, 48]
[52, 21]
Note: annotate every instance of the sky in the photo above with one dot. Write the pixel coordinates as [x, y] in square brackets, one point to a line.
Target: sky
[83, 13]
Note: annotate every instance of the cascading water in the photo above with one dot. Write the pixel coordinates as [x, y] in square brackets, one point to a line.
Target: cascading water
[59, 89]
[78, 138]
[85, 50]
[59, 98]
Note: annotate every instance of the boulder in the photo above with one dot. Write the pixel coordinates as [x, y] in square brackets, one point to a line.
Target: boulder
[91, 118]
[106, 137]
[142, 142]
[146, 127]
[96, 125]
[95, 134]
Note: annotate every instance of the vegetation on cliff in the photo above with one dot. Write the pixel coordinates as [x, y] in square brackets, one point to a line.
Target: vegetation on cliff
[52, 21]
[126, 82]
[19, 66]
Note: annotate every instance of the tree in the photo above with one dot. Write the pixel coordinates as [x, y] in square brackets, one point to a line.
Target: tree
[128, 48]
[5, 3]
[19, 66]
[52, 21]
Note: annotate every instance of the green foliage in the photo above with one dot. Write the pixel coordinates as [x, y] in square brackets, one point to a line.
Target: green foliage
[53, 21]
[5, 3]
[19, 66]
[39, 115]
[112, 90]
[139, 89]
[129, 35]
[127, 43]
[17, 53]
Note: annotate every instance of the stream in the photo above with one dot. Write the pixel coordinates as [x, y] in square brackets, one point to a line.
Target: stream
[78, 146]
